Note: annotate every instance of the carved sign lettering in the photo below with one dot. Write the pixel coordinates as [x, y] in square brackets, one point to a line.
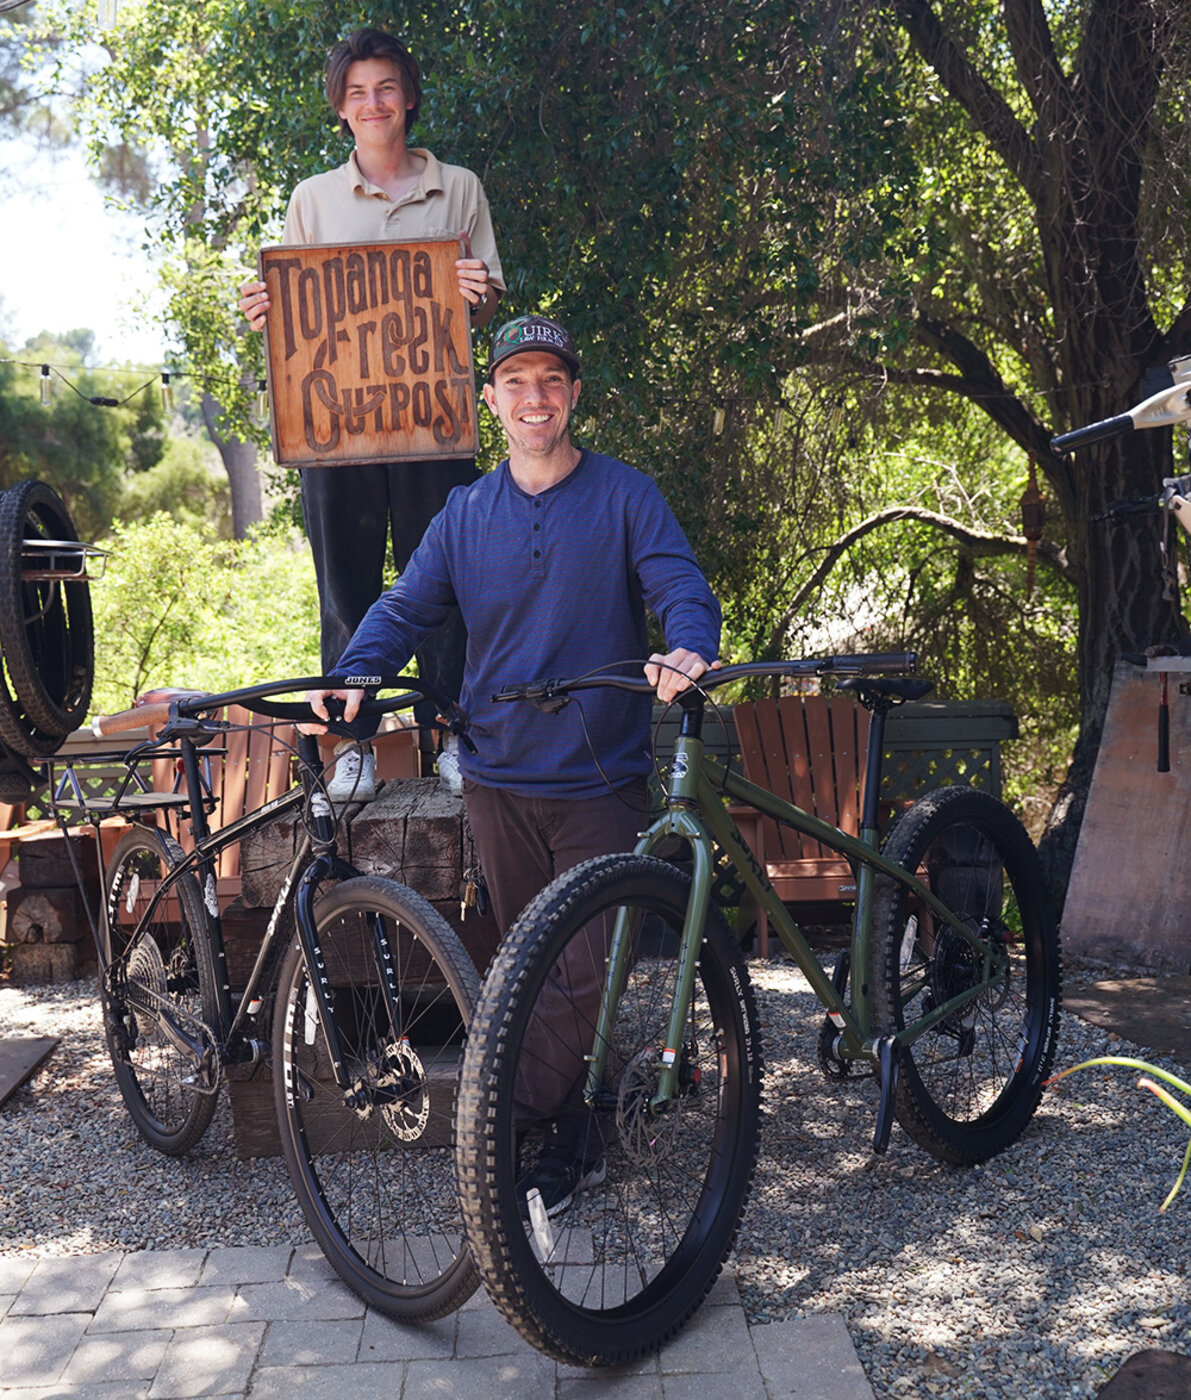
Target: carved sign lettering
[369, 354]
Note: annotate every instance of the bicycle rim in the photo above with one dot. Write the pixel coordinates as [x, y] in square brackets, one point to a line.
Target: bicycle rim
[969, 1086]
[159, 961]
[375, 1176]
[635, 1254]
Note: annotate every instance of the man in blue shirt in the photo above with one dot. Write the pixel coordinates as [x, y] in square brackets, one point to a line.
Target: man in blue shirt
[553, 560]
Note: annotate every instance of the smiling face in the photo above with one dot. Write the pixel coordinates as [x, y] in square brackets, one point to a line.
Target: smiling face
[375, 103]
[534, 396]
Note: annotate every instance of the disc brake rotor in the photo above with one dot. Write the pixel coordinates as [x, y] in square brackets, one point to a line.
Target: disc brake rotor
[403, 1091]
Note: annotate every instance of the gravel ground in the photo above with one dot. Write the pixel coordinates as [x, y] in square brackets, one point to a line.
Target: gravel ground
[1035, 1275]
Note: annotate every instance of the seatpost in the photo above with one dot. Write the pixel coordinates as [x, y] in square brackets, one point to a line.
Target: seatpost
[873, 759]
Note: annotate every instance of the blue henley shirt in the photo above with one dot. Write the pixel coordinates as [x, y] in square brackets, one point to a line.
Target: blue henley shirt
[550, 585]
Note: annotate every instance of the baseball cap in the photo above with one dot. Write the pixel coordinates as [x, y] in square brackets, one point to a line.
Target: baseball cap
[532, 333]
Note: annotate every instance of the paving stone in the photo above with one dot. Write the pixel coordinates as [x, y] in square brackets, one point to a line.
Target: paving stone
[116, 1356]
[810, 1358]
[700, 1385]
[246, 1264]
[493, 1378]
[715, 1340]
[309, 1264]
[86, 1390]
[207, 1361]
[387, 1340]
[368, 1380]
[486, 1333]
[36, 1350]
[615, 1385]
[160, 1268]
[71, 1285]
[296, 1300]
[14, 1272]
[145, 1309]
[317, 1343]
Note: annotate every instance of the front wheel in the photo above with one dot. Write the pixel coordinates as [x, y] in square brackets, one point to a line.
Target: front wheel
[969, 1085]
[159, 993]
[372, 1165]
[656, 1189]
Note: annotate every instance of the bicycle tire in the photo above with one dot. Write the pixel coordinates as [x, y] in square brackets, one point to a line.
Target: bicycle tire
[638, 1251]
[376, 1180]
[46, 629]
[968, 1087]
[169, 957]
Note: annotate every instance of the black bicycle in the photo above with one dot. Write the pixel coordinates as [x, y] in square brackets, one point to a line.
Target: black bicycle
[368, 990]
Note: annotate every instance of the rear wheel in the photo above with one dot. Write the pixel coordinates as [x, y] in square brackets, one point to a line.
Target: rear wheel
[373, 1167]
[159, 990]
[46, 632]
[642, 1242]
[968, 1086]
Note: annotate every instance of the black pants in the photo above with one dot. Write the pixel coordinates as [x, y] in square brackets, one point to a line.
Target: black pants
[350, 514]
[523, 843]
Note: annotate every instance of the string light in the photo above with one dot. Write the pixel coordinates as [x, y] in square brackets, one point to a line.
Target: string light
[45, 386]
[779, 420]
[717, 423]
[167, 392]
[262, 398]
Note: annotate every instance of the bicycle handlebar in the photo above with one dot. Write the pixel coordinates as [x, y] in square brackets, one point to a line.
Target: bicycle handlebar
[188, 704]
[1167, 406]
[879, 663]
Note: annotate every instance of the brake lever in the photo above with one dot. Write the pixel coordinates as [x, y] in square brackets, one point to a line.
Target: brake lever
[540, 694]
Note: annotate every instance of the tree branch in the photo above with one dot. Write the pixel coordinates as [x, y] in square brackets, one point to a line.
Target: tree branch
[989, 111]
[979, 543]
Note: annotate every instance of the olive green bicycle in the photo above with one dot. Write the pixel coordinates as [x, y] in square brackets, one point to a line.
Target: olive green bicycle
[623, 980]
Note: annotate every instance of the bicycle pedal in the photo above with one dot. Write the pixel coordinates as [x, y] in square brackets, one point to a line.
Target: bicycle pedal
[888, 1065]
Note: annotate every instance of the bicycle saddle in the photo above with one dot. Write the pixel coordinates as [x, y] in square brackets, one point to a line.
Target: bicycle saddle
[896, 687]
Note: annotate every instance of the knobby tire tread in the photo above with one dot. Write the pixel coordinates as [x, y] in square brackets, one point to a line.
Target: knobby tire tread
[392, 1281]
[616, 1337]
[976, 1136]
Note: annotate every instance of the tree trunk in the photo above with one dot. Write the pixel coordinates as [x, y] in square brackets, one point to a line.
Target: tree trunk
[239, 461]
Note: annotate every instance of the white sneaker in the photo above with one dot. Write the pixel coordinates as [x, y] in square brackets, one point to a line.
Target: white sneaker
[353, 778]
[448, 766]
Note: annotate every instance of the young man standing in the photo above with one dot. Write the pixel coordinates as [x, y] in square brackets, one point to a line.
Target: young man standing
[553, 560]
[387, 191]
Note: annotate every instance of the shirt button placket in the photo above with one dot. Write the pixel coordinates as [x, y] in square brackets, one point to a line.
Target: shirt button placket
[537, 536]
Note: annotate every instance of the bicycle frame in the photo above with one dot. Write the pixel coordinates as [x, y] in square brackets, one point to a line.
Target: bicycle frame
[314, 861]
[696, 814]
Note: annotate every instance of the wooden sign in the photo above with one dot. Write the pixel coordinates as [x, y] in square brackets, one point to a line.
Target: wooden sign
[369, 353]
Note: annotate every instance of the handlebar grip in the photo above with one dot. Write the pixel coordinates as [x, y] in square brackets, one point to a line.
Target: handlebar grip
[1094, 432]
[137, 718]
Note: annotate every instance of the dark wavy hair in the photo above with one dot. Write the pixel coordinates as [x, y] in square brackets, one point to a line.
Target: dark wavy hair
[372, 43]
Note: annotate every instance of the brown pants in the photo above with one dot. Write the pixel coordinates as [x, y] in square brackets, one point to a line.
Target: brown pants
[523, 844]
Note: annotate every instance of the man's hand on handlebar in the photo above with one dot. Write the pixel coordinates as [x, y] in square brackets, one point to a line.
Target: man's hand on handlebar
[673, 673]
[317, 700]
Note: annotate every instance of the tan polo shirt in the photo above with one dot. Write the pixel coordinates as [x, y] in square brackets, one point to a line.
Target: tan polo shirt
[342, 206]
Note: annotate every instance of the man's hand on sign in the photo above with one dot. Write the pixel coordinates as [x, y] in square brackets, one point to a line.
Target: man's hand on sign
[477, 291]
[254, 304]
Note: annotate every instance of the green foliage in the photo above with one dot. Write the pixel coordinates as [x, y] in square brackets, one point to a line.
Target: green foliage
[80, 449]
[180, 607]
[186, 485]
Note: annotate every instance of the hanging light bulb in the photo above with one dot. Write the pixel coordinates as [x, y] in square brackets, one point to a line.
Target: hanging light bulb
[262, 398]
[167, 392]
[717, 423]
[45, 386]
[108, 11]
[779, 420]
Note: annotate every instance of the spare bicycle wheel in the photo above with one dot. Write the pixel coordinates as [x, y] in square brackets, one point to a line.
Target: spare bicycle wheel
[46, 631]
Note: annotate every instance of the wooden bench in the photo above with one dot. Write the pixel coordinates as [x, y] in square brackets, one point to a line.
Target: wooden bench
[808, 751]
